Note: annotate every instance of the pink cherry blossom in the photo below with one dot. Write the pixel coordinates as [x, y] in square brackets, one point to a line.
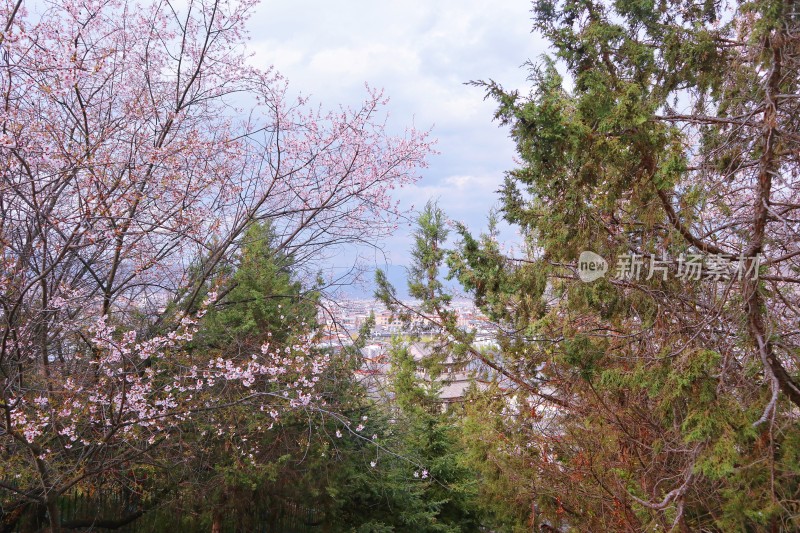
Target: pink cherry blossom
[130, 172]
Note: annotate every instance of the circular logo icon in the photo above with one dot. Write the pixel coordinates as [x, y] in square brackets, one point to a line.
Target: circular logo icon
[591, 266]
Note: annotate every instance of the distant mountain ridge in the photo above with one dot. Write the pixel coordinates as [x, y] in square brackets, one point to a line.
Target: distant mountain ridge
[397, 276]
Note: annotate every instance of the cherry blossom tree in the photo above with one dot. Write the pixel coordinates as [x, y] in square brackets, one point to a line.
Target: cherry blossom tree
[137, 146]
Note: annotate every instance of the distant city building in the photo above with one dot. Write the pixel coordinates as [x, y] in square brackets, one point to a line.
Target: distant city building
[343, 320]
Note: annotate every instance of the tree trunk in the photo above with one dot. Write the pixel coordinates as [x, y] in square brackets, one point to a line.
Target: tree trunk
[216, 521]
[53, 514]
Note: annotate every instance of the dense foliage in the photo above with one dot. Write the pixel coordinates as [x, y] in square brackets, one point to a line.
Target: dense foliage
[158, 301]
[659, 396]
[138, 147]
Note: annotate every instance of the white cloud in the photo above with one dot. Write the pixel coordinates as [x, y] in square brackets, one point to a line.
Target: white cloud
[458, 193]
[421, 52]
[345, 64]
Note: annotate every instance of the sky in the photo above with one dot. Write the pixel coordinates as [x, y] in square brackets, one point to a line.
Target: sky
[421, 52]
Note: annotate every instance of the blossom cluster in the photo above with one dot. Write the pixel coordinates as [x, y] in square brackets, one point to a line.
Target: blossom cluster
[130, 176]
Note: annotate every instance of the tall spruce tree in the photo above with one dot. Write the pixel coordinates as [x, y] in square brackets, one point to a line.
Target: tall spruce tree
[352, 465]
[664, 137]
